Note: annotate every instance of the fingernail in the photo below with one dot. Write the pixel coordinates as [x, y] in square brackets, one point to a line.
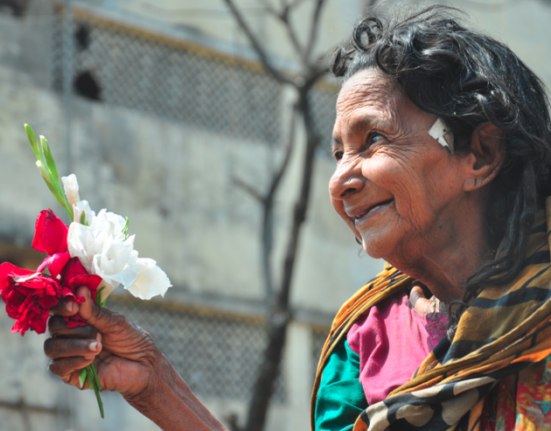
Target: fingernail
[93, 346]
[70, 306]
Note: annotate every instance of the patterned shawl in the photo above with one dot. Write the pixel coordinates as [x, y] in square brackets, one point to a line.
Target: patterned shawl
[505, 330]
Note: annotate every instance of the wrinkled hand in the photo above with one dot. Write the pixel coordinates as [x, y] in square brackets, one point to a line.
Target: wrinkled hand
[421, 303]
[124, 354]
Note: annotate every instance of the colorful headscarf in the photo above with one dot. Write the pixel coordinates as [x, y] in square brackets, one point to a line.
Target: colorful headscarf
[505, 330]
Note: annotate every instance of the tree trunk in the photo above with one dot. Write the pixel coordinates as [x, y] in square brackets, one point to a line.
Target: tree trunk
[280, 315]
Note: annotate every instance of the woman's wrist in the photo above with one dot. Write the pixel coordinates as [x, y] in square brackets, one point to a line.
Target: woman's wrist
[168, 401]
[150, 394]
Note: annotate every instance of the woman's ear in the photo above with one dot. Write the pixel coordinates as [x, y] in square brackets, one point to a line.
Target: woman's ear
[487, 156]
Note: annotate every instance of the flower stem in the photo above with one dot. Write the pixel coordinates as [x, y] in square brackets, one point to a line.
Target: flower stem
[93, 382]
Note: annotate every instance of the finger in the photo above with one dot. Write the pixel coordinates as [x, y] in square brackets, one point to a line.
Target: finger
[418, 291]
[65, 307]
[58, 328]
[62, 348]
[99, 317]
[416, 294]
[65, 367]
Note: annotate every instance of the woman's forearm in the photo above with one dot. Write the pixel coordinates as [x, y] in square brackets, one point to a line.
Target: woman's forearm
[169, 402]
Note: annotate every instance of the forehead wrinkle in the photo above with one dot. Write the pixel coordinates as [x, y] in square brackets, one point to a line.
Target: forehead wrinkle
[367, 99]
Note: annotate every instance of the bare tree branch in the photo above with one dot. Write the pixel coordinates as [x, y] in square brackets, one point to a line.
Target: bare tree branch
[314, 29]
[249, 189]
[295, 3]
[290, 141]
[276, 74]
[268, 219]
[284, 17]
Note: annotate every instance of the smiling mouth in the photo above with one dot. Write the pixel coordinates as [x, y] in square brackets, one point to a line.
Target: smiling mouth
[372, 211]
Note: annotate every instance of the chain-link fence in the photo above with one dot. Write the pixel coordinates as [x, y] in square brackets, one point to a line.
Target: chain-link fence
[216, 354]
[124, 66]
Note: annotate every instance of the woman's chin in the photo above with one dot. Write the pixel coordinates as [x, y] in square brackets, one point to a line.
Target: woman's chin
[377, 246]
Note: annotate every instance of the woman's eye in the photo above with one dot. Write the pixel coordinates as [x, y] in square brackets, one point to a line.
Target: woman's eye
[374, 138]
[338, 155]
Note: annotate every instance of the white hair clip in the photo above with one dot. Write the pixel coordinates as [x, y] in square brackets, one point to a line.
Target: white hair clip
[442, 134]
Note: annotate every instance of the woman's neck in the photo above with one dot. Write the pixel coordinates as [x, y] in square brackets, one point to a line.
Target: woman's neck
[444, 262]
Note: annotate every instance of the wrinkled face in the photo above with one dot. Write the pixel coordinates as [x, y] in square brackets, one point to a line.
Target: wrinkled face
[396, 187]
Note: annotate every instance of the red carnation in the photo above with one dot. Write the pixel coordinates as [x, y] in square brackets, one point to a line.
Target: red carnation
[50, 233]
[73, 276]
[28, 296]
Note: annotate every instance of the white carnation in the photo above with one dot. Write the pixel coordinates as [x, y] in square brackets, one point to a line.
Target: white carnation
[104, 250]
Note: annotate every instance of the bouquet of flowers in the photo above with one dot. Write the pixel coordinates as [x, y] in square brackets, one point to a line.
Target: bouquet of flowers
[93, 251]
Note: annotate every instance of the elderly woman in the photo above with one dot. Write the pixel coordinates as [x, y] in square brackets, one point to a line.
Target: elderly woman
[442, 149]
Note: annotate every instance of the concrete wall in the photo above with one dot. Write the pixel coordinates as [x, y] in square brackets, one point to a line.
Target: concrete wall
[212, 18]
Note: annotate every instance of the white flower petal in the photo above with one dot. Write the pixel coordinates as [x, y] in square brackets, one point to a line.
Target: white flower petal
[125, 276]
[79, 241]
[117, 264]
[70, 186]
[110, 223]
[152, 280]
[105, 251]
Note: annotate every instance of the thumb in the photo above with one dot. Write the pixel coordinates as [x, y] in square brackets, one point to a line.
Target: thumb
[96, 316]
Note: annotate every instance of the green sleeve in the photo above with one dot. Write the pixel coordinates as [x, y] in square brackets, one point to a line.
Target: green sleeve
[341, 397]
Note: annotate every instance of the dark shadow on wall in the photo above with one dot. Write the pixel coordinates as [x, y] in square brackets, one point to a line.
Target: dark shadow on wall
[86, 85]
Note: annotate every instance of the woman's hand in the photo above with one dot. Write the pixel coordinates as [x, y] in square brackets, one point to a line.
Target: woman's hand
[127, 361]
[421, 303]
[124, 355]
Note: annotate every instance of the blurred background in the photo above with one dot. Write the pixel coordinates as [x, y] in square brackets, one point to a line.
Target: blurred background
[165, 112]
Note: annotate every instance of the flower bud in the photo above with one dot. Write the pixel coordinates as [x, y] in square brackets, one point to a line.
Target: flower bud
[70, 186]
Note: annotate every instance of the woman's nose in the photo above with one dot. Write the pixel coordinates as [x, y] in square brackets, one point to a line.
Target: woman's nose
[346, 180]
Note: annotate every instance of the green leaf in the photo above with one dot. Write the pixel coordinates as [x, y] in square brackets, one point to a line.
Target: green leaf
[98, 296]
[50, 162]
[33, 141]
[96, 377]
[125, 228]
[91, 381]
[82, 377]
[97, 387]
[83, 220]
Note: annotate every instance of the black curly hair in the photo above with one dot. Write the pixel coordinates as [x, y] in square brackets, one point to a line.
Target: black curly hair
[468, 78]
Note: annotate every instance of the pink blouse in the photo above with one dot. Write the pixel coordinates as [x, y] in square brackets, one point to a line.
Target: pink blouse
[392, 339]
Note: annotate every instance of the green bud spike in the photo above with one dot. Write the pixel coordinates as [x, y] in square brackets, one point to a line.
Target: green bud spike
[52, 186]
[48, 168]
[45, 174]
[50, 163]
[83, 218]
[33, 141]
